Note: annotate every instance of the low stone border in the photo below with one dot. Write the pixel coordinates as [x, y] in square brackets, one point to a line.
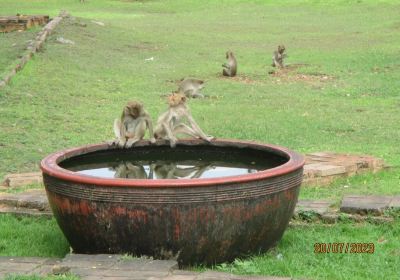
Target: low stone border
[322, 168]
[97, 267]
[34, 46]
[21, 22]
[357, 208]
[22, 179]
[369, 204]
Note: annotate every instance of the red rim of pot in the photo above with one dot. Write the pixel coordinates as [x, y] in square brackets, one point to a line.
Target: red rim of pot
[49, 166]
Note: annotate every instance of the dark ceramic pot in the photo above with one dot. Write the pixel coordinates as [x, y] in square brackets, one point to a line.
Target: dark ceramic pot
[194, 220]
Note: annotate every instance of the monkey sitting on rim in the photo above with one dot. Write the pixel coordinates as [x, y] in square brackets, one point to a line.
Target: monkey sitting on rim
[132, 125]
[171, 123]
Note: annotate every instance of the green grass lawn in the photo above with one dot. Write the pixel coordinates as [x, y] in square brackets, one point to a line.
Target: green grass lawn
[69, 95]
[39, 237]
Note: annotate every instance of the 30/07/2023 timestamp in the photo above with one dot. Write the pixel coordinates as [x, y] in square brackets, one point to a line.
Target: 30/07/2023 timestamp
[344, 247]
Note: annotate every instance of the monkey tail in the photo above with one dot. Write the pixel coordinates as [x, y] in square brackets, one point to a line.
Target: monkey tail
[117, 128]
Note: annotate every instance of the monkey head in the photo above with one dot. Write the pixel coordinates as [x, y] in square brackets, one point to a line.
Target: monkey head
[229, 54]
[176, 98]
[281, 49]
[133, 108]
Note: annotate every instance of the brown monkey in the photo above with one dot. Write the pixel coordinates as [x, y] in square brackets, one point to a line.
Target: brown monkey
[277, 58]
[191, 87]
[229, 69]
[132, 125]
[170, 123]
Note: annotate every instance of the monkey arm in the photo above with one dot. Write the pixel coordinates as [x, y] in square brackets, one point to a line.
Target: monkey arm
[120, 133]
[117, 128]
[172, 139]
[226, 66]
[150, 127]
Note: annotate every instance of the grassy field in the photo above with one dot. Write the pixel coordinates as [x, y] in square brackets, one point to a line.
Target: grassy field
[31, 237]
[12, 45]
[344, 97]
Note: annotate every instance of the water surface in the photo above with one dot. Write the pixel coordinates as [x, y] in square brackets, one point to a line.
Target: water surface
[178, 163]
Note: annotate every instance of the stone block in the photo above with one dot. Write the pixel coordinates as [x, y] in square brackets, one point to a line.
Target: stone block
[317, 206]
[363, 204]
[22, 179]
[188, 276]
[102, 261]
[22, 212]
[322, 169]
[143, 264]
[395, 202]
[214, 275]
[33, 199]
[330, 218]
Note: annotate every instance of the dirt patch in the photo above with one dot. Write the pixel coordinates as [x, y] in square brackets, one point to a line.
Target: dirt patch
[289, 74]
[385, 69]
[238, 78]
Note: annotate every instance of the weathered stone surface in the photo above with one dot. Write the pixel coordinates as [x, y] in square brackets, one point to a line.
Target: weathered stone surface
[33, 199]
[322, 168]
[187, 276]
[4, 209]
[21, 22]
[317, 206]
[147, 265]
[22, 179]
[330, 218]
[104, 265]
[213, 275]
[395, 202]
[85, 261]
[26, 265]
[362, 204]
[134, 274]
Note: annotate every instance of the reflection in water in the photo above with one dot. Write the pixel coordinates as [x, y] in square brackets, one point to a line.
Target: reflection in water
[164, 170]
[175, 171]
[165, 163]
[128, 170]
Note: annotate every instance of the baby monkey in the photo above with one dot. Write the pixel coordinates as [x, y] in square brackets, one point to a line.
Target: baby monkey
[191, 87]
[171, 123]
[229, 69]
[132, 125]
[277, 58]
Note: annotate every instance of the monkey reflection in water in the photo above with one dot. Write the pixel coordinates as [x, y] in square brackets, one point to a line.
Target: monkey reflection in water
[127, 170]
[171, 170]
[159, 170]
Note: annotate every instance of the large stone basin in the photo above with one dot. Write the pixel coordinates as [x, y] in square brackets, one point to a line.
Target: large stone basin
[206, 220]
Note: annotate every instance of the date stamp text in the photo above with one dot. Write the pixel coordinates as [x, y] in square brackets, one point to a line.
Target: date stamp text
[344, 247]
